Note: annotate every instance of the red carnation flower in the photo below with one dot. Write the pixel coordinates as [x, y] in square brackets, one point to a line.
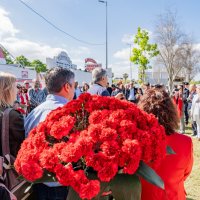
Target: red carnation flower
[31, 170]
[62, 127]
[89, 190]
[108, 171]
[102, 133]
[49, 159]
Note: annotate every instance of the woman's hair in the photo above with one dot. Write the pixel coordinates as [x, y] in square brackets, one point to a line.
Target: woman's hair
[158, 102]
[7, 89]
[192, 87]
[139, 91]
[85, 85]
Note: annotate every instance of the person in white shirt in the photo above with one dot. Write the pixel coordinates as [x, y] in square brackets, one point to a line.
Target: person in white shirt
[195, 110]
[132, 93]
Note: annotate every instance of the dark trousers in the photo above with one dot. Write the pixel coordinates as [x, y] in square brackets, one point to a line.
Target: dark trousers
[186, 112]
[4, 195]
[194, 128]
[43, 192]
[132, 101]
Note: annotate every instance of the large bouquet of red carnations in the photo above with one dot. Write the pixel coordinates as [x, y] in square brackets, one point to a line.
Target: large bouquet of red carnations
[92, 134]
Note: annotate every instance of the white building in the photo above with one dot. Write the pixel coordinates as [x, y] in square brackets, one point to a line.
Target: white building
[62, 60]
[157, 75]
[21, 73]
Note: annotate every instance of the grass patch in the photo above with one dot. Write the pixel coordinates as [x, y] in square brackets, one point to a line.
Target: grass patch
[192, 184]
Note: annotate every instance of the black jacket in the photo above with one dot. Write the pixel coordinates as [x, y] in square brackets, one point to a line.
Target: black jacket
[186, 94]
[16, 131]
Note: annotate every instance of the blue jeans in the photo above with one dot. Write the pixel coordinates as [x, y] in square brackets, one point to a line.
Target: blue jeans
[43, 192]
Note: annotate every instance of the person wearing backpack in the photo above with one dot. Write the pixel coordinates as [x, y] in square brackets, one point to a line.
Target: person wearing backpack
[12, 131]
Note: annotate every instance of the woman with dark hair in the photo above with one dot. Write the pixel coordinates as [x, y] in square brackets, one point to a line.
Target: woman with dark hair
[86, 87]
[139, 94]
[175, 168]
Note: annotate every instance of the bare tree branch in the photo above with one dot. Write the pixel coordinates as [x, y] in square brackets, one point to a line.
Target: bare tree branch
[177, 53]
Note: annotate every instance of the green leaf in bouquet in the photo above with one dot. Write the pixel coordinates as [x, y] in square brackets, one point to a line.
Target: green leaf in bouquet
[72, 195]
[104, 187]
[149, 175]
[170, 150]
[126, 187]
[20, 178]
[28, 188]
[47, 177]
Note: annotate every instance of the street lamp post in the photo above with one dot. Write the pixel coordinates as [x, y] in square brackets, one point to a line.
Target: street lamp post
[130, 62]
[106, 33]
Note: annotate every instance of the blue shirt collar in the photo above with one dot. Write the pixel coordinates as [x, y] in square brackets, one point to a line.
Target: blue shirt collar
[58, 98]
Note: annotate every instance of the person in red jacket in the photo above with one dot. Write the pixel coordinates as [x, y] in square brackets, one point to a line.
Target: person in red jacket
[175, 168]
[24, 99]
[178, 101]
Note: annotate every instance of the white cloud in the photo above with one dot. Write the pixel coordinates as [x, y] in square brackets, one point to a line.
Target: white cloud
[6, 26]
[128, 38]
[197, 46]
[16, 46]
[119, 68]
[122, 64]
[123, 54]
[29, 49]
[80, 51]
[33, 50]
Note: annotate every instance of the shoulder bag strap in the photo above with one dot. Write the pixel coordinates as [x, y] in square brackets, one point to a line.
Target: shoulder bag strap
[5, 132]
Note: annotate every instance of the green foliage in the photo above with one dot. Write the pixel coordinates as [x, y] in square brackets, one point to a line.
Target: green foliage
[72, 195]
[125, 76]
[39, 66]
[124, 186]
[149, 175]
[22, 60]
[8, 57]
[194, 82]
[170, 150]
[142, 54]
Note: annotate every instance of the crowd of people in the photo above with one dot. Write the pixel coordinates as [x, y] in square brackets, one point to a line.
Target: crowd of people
[173, 111]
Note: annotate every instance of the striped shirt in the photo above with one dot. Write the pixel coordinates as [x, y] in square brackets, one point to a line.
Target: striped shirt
[36, 97]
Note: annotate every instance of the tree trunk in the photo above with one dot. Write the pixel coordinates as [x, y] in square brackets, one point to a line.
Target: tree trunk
[170, 85]
[187, 78]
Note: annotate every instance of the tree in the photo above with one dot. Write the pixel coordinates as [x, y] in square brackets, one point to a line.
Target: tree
[39, 66]
[7, 57]
[144, 51]
[173, 46]
[125, 76]
[190, 61]
[23, 61]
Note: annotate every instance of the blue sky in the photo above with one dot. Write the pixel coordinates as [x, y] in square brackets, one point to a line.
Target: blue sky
[23, 32]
